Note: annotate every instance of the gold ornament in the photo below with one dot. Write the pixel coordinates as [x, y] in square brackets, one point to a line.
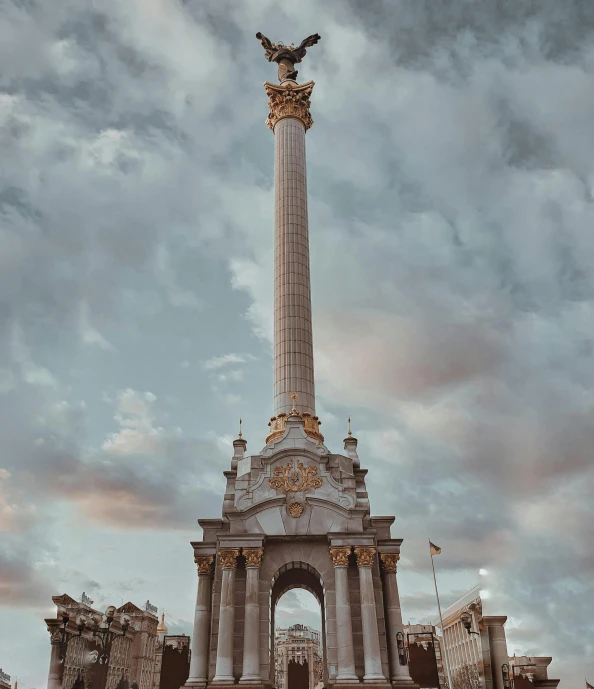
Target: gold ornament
[389, 561]
[289, 100]
[311, 426]
[291, 480]
[228, 557]
[295, 509]
[204, 563]
[253, 556]
[340, 555]
[364, 555]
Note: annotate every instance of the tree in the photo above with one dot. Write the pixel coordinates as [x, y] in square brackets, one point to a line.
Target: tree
[467, 677]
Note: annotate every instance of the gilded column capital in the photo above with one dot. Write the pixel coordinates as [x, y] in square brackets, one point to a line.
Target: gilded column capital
[364, 555]
[340, 555]
[204, 563]
[228, 557]
[253, 557]
[289, 100]
[389, 561]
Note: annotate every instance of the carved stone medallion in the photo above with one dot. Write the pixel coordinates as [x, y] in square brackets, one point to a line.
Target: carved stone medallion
[295, 509]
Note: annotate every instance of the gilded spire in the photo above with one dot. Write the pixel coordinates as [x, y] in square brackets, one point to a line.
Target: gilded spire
[162, 628]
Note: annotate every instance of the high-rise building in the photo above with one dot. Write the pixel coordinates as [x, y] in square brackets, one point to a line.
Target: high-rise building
[132, 655]
[297, 645]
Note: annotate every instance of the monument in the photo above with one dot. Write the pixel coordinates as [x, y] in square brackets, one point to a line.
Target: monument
[296, 514]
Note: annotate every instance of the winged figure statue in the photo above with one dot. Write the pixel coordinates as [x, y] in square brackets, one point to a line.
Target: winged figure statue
[286, 56]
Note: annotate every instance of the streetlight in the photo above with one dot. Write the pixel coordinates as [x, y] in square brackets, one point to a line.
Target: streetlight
[104, 633]
[466, 619]
[61, 636]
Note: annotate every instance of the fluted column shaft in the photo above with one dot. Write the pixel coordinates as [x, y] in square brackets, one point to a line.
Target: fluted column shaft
[251, 637]
[344, 625]
[200, 637]
[224, 664]
[371, 645]
[293, 348]
[399, 672]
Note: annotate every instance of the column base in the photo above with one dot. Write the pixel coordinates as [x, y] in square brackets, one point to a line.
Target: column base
[403, 683]
[251, 680]
[346, 679]
[195, 683]
[375, 679]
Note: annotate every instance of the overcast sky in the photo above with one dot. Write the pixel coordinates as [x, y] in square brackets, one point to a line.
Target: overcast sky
[451, 184]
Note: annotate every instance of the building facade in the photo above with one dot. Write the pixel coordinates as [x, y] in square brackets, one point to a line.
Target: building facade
[486, 649]
[295, 514]
[132, 655]
[4, 680]
[297, 644]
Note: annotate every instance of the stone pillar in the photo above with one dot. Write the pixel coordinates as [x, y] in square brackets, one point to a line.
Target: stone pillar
[289, 119]
[371, 645]
[251, 630]
[400, 674]
[497, 647]
[200, 637]
[224, 665]
[344, 627]
[56, 668]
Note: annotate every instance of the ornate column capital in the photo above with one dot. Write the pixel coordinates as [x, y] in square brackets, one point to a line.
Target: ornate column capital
[340, 555]
[228, 557]
[289, 100]
[364, 555]
[253, 557]
[204, 563]
[389, 562]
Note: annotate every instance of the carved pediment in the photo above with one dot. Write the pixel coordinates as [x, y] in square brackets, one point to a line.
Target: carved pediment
[130, 609]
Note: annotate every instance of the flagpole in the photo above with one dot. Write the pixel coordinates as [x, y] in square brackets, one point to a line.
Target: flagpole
[444, 649]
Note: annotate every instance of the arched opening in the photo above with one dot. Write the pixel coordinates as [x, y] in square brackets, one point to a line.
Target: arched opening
[298, 626]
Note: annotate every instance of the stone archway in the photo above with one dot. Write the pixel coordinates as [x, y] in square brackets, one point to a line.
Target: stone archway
[298, 575]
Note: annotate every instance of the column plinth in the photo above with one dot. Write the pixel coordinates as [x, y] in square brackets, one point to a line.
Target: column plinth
[371, 645]
[251, 637]
[344, 625]
[199, 664]
[400, 674]
[224, 664]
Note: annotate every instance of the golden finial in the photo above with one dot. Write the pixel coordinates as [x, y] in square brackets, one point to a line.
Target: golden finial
[350, 432]
[240, 433]
[294, 397]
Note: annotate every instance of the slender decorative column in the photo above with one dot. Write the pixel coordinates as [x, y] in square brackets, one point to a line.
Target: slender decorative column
[199, 663]
[371, 645]
[344, 626]
[251, 635]
[224, 665]
[399, 663]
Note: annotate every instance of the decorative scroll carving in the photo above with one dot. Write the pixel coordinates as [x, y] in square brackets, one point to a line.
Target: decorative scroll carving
[311, 426]
[289, 100]
[389, 561]
[364, 555]
[253, 556]
[340, 555]
[295, 480]
[295, 509]
[204, 563]
[228, 557]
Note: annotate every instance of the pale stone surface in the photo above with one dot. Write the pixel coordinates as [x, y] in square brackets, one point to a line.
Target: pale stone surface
[371, 646]
[224, 664]
[400, 673]
[293, 349]
[199, 661]
[251, 647]
[346, 654]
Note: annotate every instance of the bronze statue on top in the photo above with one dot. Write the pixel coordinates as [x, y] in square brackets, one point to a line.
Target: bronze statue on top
[286, 56]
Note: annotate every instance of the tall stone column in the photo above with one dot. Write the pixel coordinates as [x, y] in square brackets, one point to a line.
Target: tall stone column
[224, 664]
[344, 626]
[199, 663]
[56, 668]
[400, 674]
[497, 647]
[289, 119]
[251, 634]
[371, 645]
